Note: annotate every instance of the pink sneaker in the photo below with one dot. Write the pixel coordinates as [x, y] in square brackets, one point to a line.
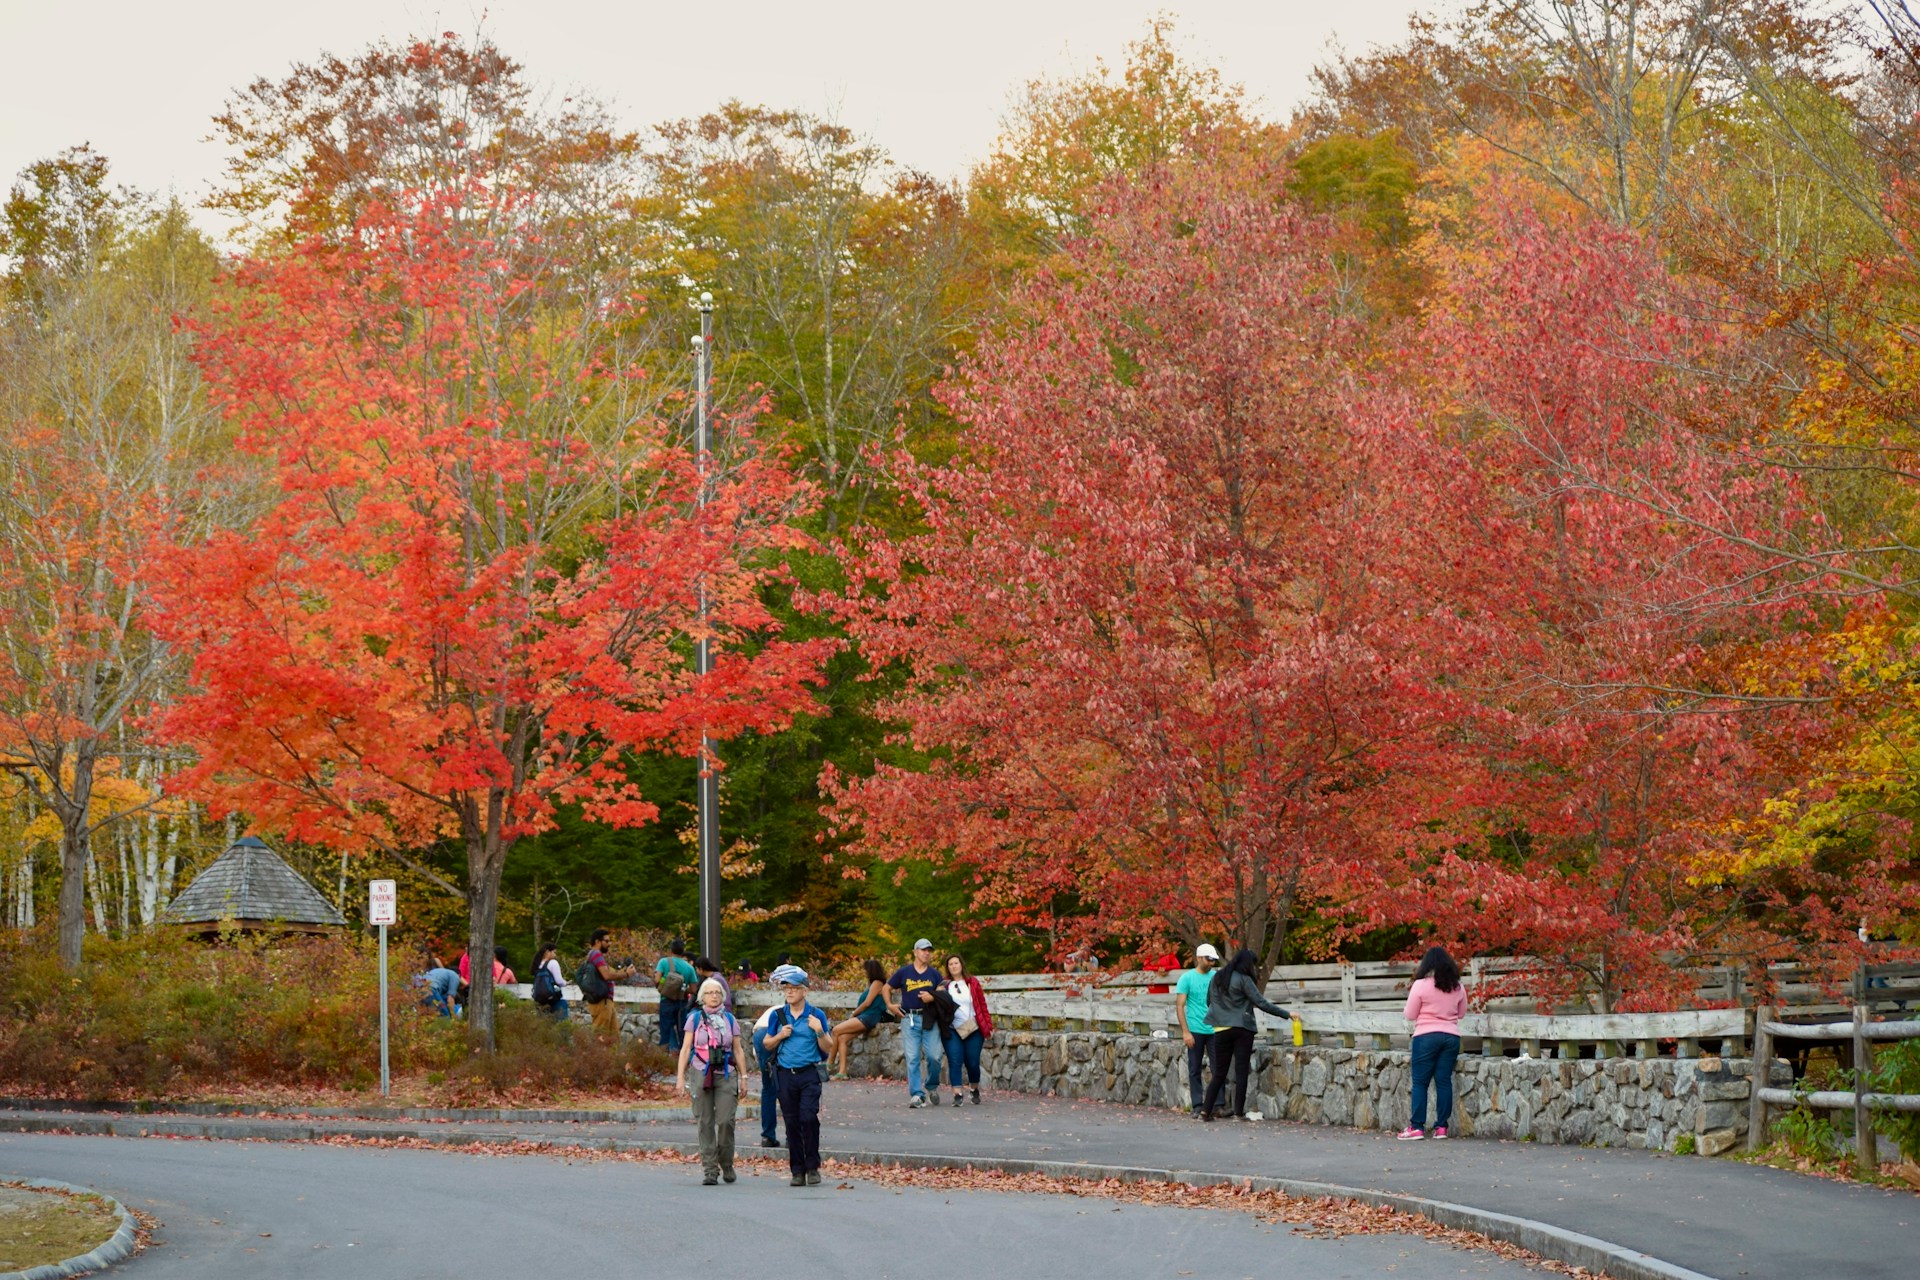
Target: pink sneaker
[1411, 1134]
[1440, 1132]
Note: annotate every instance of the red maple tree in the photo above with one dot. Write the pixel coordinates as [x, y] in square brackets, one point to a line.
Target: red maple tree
[1624, 570]
[1168, 653]
[470, 593]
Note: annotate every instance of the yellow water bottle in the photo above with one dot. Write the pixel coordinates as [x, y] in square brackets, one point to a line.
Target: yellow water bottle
[1299, 1032]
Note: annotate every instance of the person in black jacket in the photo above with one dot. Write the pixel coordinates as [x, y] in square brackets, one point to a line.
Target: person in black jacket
[1231, 1000]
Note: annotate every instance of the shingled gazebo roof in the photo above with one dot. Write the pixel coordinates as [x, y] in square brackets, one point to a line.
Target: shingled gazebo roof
[252, 887]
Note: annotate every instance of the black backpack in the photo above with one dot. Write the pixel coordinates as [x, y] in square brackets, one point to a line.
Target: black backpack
[594, 987]
[546, 992]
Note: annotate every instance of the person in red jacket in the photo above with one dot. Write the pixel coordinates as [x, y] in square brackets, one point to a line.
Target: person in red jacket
[972, 1024]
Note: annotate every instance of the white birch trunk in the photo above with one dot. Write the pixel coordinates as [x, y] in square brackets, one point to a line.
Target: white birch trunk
[93, 887]
[123, 847]
[149, 849]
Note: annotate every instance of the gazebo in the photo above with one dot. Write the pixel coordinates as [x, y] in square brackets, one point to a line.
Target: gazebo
[251, 888]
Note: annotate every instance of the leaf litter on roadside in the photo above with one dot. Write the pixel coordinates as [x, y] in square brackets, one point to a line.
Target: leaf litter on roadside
[1315, 1217]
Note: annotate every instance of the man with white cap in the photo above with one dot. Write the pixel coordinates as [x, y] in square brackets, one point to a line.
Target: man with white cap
[794, 1041]
[1190, 1010]
[910, 997]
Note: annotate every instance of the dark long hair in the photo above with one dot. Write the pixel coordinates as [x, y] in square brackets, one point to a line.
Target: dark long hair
[1439, 966]
[1244, 961]
[874, 972]
[541, 952]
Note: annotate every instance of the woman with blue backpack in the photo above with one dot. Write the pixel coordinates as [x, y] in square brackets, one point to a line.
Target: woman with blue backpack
[710, 1044]
[549, 982]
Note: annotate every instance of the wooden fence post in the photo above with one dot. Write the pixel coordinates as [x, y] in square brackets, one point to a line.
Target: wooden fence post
[1865, 1149]
[1759, 1077]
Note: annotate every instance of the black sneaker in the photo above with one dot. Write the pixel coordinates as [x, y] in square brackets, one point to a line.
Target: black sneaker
[813, 1178]
[957, 1099]
[709, 1181]
[799, 1180]
[976, 1095]
[727, 1176]
[770, 1142]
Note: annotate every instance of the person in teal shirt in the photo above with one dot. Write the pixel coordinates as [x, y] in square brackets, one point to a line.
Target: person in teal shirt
[674, 974]
[1190, 1006]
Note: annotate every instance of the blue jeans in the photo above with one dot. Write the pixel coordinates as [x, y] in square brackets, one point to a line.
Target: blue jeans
[1433, 1055]
[964, 1052]
[769, 1090]
[917, 1039]
[558, 1009]
[673, 1015]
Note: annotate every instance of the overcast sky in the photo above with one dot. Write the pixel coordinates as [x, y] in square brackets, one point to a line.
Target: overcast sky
[140, 80]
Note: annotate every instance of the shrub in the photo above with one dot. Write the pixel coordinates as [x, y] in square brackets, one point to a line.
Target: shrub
[537, 1055]
[1896, 1069]
[162, 1013]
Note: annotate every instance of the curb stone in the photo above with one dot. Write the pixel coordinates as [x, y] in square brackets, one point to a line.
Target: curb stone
[1562, 1245]
[149, 1107]
[118, 1247]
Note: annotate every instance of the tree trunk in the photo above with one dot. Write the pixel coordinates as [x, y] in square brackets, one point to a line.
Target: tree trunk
[486, 860]
[73, 886]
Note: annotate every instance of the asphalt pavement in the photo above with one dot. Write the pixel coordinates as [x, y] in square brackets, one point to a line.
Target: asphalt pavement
[242, 1211]
[1716, 1217]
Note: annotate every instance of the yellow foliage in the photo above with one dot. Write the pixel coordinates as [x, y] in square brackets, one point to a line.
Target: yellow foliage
[113, 796]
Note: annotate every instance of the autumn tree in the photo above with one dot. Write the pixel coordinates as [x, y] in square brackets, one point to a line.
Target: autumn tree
[1631, 557]
[835, 272]
[102, 422]
[1062, 140]
[1168, 649]
[309, 152]
[471, 599]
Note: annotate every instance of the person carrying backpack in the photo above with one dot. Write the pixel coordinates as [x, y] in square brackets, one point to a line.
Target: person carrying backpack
[596, 978]
[674, 977]
[549, 983]
[797, 1039]
[710, 1043]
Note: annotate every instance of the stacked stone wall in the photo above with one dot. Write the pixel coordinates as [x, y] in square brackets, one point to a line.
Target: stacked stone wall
[1619, 1102]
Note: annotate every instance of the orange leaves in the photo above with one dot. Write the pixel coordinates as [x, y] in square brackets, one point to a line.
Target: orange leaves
[436, 626]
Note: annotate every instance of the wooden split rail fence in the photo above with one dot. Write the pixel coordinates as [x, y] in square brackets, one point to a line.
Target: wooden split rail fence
[1863, 1033]
[1358, 1005]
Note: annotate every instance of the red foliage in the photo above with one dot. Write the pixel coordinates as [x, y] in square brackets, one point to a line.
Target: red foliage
[1170, 648]
[1622, 565]
[455, 613]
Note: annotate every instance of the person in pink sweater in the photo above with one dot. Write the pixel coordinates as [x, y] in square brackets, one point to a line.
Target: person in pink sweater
[1434, 1006]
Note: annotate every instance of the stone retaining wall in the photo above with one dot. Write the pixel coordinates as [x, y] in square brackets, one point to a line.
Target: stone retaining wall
[1620, 1102]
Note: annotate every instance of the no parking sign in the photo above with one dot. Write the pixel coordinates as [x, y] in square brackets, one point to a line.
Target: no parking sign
[383, 902]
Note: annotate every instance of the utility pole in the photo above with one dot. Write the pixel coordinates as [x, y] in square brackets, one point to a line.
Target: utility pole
[709, 796]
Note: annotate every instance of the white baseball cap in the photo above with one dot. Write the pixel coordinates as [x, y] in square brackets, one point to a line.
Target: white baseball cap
[1206, 949]
[923, 944]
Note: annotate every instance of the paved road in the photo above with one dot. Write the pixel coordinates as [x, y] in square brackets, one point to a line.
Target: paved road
[1716, 1217]
[241, 1211]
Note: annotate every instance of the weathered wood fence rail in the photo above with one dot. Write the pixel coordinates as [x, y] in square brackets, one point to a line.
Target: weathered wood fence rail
[1358, 1005]
[1609, 1035]
[1864, 1033]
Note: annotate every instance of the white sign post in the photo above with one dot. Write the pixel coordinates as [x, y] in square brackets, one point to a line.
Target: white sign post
[382, 909]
